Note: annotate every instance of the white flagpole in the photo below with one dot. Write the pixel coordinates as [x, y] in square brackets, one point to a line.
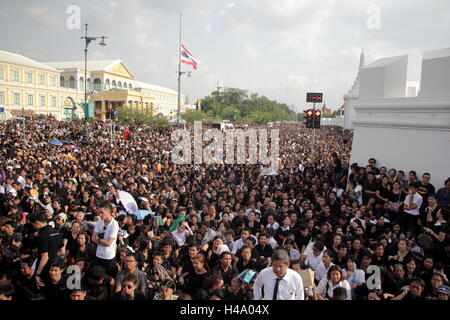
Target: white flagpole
[179, 78]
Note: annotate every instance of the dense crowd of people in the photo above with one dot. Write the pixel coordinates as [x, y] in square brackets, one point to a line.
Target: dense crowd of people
[211, 232]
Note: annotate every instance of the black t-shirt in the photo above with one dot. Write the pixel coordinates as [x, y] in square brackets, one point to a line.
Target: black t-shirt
[71, 242]
[241, 267]
[265, 252]
[425, 191]
[194, 282]
[49, 240]
[228, 275]
[58, 291]
[369, 186]
[228, 295]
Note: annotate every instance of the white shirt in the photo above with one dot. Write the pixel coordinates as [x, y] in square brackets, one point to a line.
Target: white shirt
[289, 288]
[358, 191]
[273, 243]
[180, 238]
[358, 276]
[417, 199]
[274, 226]
[314, 261]
[322, 271]
[111, 231]
[321, 288]
[238, 244]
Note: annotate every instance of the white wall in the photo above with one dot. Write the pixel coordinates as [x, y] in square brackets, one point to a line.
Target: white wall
[436, 73]
[405, 134]
[405, 149]
[338, 121]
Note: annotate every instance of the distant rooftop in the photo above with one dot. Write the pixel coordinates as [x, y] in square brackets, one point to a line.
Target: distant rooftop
[15, 58]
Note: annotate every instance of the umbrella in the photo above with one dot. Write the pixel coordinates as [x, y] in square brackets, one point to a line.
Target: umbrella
[128, 202]
[56, 142]
[141, 214]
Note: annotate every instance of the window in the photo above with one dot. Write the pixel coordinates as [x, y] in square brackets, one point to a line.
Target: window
[61, 81]
[114, 84]
[42, 79]
[107, 85]
[54, 102]
[125, 86]
[29, 77]
[2, 97]
[130, 87]
[42, 101]
[1, 73]
[53, 81]
[97, 84]
[72, 82]
[15, 75]
[30, 99]
[81, 82]
[119, 85]
[16, 98]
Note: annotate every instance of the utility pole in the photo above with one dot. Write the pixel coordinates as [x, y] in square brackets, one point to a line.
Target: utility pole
[88, 40]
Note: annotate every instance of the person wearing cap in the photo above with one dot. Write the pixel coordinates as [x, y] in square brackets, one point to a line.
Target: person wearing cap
[279, 282]
[48, 244]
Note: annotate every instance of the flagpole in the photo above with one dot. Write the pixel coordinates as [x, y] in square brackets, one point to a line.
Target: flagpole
[179, 78]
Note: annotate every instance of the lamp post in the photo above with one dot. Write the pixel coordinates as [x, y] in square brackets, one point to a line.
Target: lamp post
[88, 40]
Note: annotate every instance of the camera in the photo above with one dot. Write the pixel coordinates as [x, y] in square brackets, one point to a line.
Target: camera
[101, 235]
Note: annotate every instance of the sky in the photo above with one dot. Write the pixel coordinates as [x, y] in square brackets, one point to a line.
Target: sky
[277, 48]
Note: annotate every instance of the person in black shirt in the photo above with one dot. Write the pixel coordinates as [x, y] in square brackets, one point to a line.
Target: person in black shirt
[193, 281]
[245, 261]
[129, 289]
[341, 258]
[413, 291]
[302, 237]
[25, 282]
[235, 291]
[48, 243]
[225, 267]
[425, 188]
[263, 248]
[55, 288]
[369, 188]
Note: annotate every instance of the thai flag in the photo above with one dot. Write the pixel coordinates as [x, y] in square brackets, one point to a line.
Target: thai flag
[187, 57]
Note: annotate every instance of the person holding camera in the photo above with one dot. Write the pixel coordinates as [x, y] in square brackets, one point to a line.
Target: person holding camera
[104, 236]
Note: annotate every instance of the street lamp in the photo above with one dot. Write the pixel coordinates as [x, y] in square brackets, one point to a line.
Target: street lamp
[88, 40]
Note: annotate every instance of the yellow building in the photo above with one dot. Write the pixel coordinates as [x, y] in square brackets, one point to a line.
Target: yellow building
[111, 84]
[28, 85]
[57, 88]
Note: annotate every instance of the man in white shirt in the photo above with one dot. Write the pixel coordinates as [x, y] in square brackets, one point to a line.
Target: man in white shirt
[104, 236]
[181, 233]
[279, 282]
[412, 204]
[239, 243]
[314, 257]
